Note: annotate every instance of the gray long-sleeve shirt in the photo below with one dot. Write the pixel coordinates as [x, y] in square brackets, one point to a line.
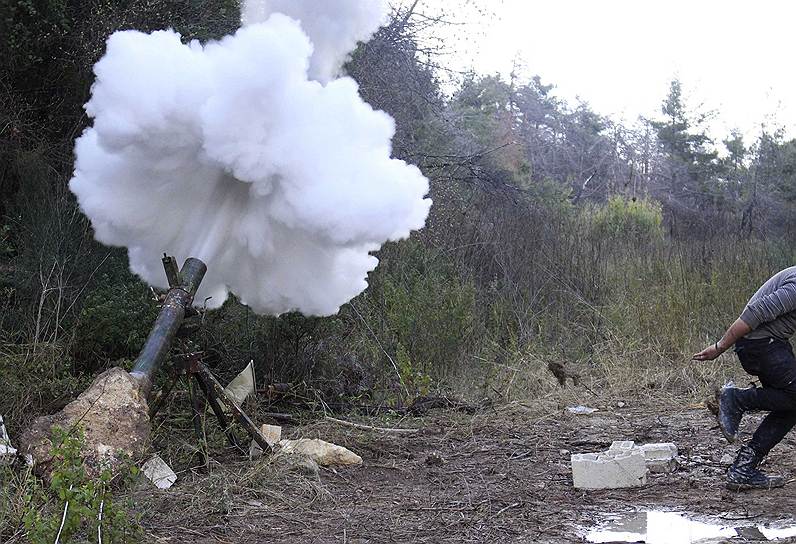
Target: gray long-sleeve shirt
[771, 312]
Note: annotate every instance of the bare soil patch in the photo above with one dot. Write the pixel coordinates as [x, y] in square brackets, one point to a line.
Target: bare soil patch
[501, 475]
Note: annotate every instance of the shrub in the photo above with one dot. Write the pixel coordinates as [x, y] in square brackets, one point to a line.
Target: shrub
[428, 309]
[72, 507]
[629, 219]
[115, 318]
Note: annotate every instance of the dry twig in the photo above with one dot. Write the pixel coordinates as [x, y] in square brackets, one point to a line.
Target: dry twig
[370, 427]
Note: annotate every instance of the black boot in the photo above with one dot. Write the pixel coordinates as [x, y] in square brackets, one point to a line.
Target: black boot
[730, 412]
[743, 474]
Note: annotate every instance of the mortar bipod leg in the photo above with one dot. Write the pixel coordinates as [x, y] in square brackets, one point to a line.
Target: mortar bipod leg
[240, 415]
[161, 396]
[211, 397]
[197, 418]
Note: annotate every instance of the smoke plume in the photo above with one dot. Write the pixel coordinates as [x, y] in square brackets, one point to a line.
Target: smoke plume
[246, 154]
[334, 27]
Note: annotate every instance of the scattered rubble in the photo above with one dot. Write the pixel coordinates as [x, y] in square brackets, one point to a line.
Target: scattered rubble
[7, 453]
[159, 473]
[309, 453]
[113, 416]
[272, 434]
[623, 465]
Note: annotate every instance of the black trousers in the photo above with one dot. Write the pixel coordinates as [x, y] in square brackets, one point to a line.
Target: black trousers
[772, 361]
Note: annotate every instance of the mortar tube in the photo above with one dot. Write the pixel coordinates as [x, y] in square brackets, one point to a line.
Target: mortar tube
[158, 343]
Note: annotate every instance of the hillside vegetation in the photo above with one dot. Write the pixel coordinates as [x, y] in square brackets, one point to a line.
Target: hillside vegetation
[556, 235]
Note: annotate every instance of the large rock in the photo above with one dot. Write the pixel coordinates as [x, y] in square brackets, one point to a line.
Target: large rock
[114, 417]
[323, 453]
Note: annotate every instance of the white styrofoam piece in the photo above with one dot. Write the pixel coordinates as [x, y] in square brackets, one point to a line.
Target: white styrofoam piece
[159, 473]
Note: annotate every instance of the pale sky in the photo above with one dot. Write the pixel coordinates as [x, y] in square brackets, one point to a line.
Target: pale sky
[736, 57]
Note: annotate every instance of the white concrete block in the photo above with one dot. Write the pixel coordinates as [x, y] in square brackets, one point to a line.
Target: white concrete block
[620, 446]
[659, 452]
[661, 457]
[623, 467]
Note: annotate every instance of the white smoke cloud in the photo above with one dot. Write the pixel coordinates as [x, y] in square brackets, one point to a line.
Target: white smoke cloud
[334, 27]
[229, 153]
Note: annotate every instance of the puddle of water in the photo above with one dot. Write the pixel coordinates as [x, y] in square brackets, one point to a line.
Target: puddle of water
[775, 534]
[672, 528]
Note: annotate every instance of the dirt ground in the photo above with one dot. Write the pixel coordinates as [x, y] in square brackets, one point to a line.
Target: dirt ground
[501, 475]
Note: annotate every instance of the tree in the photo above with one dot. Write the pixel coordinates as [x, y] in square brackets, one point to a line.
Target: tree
[688, 166]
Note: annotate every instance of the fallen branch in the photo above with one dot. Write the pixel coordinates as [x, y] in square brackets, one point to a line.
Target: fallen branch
[285, 418]
[370, 427]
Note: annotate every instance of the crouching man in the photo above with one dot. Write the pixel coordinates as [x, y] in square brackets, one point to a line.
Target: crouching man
[760, 337]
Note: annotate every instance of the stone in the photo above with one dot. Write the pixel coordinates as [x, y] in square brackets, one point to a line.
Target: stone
[7, 452]
[609, 470]
[435, 459]
[660, 457]
[305, 465]
[114, 417]
[159, 473]
[323, 453]
[581, 410]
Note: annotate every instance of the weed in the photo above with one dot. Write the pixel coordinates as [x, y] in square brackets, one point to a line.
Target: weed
[74, 507]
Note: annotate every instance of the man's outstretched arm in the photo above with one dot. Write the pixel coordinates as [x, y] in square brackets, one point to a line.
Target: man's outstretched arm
[737, 330]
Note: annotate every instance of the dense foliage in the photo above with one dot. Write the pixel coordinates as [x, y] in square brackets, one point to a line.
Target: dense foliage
[556, 233]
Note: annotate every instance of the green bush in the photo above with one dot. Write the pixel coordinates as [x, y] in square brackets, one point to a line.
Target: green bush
[75, 505]
[629, 219]
[428, 309]
[115, 319]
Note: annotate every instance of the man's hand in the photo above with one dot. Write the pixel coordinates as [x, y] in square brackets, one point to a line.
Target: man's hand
[708, 354]
[737, 330]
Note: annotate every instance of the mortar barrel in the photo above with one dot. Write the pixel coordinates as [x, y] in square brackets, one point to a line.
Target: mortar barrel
[167, 323]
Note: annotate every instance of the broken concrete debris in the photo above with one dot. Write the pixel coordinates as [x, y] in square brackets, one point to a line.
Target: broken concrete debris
[623, 465]
[612, 469]
[272, 434]
[323, 453]
[7, 453]
[660, 457]
[159, 473]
